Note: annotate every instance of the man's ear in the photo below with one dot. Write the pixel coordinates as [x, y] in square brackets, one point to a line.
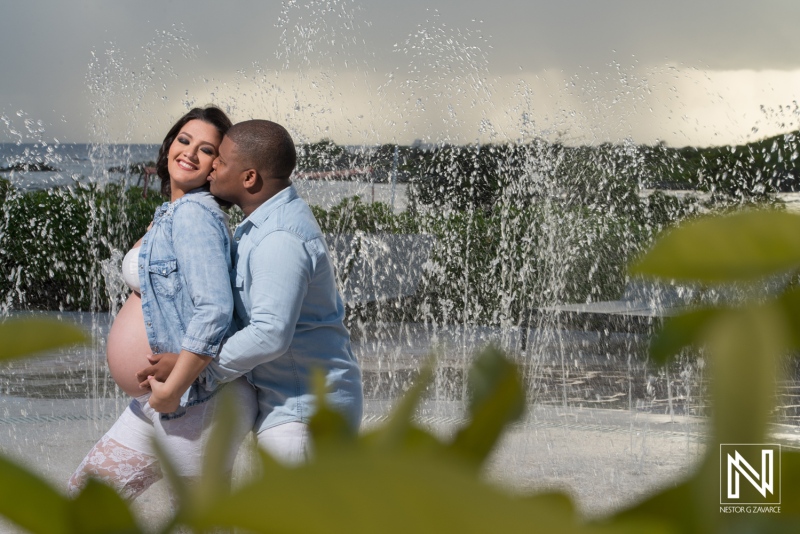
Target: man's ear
[250, 178]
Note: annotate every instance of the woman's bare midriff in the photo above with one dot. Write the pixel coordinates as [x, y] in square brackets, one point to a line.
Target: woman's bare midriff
[127, 347]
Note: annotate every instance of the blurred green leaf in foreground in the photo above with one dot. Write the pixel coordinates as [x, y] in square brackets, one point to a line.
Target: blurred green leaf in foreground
[24, 337]
[745, 340]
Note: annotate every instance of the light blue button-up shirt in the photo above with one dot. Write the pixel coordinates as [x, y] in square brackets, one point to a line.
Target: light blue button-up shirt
[290, 315]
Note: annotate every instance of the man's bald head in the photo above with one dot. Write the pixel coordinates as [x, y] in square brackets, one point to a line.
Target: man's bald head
[264, 146]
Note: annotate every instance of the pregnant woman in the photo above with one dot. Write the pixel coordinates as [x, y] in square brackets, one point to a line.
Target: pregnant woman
[181, 303]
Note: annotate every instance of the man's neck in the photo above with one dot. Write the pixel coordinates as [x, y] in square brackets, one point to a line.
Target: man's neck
[271, 188]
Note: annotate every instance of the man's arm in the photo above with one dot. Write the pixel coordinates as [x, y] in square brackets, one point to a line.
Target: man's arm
[281, 269]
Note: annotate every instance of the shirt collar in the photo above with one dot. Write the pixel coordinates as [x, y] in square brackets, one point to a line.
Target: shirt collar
[263, 212]
[199, 194]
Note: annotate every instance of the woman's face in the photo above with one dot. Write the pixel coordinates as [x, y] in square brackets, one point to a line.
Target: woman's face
[191, 155]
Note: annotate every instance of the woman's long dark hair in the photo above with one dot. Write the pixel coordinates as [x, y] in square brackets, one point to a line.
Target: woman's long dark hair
[211, 114]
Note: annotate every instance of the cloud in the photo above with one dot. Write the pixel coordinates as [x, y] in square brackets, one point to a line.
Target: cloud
[381, 72]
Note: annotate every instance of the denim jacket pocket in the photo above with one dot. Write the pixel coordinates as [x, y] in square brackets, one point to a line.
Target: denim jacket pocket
[164, 276]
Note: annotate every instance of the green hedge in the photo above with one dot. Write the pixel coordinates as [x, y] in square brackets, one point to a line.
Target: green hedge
[494, 265]
[52, 243]
[490, 264]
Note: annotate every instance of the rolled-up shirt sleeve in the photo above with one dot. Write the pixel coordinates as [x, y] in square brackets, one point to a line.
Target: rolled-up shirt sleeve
[280, 268]
[202, 249]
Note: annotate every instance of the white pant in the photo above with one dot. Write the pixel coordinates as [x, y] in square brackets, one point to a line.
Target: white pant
[289, 443]
[126, 459]
[184, 439]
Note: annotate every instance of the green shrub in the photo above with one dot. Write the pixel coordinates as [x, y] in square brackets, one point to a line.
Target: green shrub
[539, 242]
[52, 243]
[495, 265]
[353, 215]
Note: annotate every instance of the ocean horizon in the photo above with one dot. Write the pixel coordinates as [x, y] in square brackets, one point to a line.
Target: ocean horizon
[68, 163]
[90, 163]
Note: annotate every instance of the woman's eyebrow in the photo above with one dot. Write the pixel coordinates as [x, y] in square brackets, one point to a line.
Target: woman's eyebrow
[202, 142]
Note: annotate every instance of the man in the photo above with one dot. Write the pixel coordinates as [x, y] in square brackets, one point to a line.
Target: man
[288, 310]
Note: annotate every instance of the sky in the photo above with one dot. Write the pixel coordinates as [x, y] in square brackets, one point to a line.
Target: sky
[701, 72]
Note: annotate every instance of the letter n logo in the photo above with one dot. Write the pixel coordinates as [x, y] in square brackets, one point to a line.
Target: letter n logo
[750, 473]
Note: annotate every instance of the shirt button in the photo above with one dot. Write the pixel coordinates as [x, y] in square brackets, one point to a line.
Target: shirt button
[149, 323]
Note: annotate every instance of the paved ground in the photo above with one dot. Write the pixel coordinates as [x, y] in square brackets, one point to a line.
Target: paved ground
[606, 458]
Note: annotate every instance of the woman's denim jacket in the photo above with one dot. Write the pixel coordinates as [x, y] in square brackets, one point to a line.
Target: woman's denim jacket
[184, 272]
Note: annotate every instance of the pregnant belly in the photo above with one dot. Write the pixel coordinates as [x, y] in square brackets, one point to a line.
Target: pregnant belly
[127, 346]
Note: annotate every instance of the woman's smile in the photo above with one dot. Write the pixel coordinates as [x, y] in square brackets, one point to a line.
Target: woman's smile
[186, 165]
